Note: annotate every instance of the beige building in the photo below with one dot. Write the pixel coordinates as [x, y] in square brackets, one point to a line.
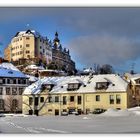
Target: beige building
[30, 45]
[134, 84]
[7, 53]
[82, 94]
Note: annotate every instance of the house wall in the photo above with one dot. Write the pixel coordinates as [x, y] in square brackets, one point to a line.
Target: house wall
[88, 102]
[7, 53]
[19, 48]
[9, 96]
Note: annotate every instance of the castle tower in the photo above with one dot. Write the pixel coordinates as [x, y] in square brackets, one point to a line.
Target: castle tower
[56, 41]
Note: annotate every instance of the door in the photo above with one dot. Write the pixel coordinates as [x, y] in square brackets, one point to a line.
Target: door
[56, 111]
[36, 101]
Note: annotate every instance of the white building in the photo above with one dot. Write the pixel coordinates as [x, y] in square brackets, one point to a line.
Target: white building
[12, 84]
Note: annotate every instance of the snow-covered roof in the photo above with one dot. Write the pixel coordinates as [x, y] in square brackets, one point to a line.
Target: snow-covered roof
[30, 33]
[8, 66]
[32, 78]
[87, 70]
[9, 70]
[132, 77]
[35, 67]
[117, 84]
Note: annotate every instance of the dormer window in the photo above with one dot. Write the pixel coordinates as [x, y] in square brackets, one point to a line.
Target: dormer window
[73, 86]
[137, 81]
[47, 86]
[10, 72]
[102, 85]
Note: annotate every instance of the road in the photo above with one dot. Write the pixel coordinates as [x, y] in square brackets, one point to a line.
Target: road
[69, 124]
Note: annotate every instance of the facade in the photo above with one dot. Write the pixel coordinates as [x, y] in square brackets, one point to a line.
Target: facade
[134, 83]
[7, 53]
[12, 84]
[61, 56]
[82, 94]
[29, 45]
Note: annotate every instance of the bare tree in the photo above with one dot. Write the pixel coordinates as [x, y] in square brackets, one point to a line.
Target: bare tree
[11, 104]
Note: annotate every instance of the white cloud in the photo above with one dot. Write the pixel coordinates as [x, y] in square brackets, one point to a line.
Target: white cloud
[104, 49]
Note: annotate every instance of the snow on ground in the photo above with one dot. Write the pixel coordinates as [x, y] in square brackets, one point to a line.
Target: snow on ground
[126, 112]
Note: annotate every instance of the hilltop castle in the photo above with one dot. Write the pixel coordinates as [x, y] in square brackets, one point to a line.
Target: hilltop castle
[30, 47]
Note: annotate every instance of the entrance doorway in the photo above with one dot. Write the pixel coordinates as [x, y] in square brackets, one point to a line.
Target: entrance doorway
[56, 112]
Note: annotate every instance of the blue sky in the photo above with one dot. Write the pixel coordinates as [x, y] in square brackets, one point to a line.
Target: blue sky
[93, 35]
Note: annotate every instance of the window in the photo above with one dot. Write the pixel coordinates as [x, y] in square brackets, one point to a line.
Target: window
[20, 46]
[24, 81]
[4, 82]
[73, 87]
[1, 90]
[27, 45]
[36, 101]
[56, 98]
[10, 81]
[27, 38]
[1, 104]
[27, 51]
[64, 100]
[71, 98]
[30, 101]
[8, 91]
[101, 85]
[48, 87]
[79, 98]
[40, 47]
[19, 81]
[14, 81]
[49, 110]
[49, 99]
[118, 99]
[41, 99]
[111, 99]
[97, 98]
[14, 104]
[14, 91]
[21, 91]
[64, 110]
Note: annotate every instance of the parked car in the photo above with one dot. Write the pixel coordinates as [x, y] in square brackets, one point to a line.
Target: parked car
[98, 111]
[64, 113]
[75, 113]
[2, 115]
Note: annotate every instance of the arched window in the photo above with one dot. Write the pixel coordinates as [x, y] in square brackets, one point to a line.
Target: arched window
[14, 104]
[1, 104]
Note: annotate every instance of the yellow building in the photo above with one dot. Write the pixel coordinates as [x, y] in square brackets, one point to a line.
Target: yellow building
[30, 45]
[7, 53]
[82, 94]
